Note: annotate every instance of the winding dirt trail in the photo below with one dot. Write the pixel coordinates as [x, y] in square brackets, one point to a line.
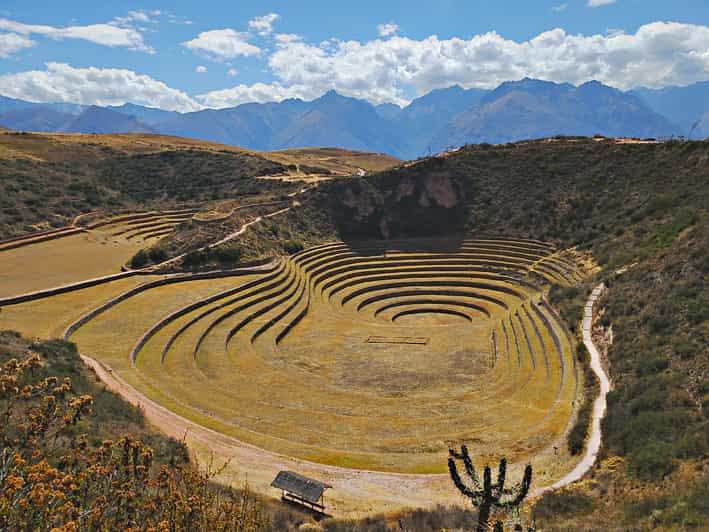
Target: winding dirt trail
[593, 444]
[233, 235]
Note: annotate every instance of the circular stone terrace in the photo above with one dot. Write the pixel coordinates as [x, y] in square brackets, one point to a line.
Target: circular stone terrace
[369, 355]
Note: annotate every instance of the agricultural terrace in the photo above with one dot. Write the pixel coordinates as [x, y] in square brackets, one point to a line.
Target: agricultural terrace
[75, 253]
[366, 355]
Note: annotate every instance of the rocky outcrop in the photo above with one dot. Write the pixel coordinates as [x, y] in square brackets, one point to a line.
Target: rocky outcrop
[422, 203]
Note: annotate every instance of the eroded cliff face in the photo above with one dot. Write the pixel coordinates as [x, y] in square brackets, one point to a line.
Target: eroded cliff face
[393, 206]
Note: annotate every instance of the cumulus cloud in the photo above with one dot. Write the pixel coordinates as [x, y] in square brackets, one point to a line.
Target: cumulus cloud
[396, 68]
[105, 34]
[657, 55]
[94, 86]
[387, 29]
[11, 43]
[222, 45]
[263, 25]
[232, 72]
[559, 8]
[201, 69]
[598, 3]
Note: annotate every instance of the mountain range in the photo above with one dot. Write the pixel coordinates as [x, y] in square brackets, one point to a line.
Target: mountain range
[443, 118]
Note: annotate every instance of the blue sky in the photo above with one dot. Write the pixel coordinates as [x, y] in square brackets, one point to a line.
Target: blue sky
[185, 55]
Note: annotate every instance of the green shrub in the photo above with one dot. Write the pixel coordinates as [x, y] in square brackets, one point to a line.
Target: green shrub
[651, 365]
[564, 503]
[292, 246]
[227, 255]
[653, 461]
[140, 259]
[698, 311]
[195, 258]
[157, 255]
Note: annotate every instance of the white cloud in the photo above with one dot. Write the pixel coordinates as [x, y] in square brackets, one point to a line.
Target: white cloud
[232, 72]
[263, 25]
[11, 43]
[94, 86]
[258, 92]
[598, 3]
[222, 45]
[396, 68]
[104, 34]
[387, 29]
[658, 54]
[201, 69]
[559, 8]
[284, 38]
[174, 19]
[134, 16]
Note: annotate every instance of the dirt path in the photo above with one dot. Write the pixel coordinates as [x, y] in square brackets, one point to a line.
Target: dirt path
[227, 238]
[593, 445]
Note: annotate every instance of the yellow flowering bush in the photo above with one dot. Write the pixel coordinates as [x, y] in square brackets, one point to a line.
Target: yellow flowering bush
[53, 479]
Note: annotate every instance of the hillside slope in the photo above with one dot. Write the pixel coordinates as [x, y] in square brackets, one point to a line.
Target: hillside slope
[46, 180]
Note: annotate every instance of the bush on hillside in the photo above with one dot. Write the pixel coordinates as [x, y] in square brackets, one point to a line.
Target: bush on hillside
[140, 259]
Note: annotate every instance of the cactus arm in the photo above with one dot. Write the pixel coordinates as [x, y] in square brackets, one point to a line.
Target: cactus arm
[468, 462]
[501, 477]
[521, 490]
[469, 467]
[465, 490]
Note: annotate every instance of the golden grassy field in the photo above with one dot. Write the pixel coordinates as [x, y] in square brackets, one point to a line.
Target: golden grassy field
[339, 161]
[62, 261]
[361, 356]
[105, 246]
[49, 317]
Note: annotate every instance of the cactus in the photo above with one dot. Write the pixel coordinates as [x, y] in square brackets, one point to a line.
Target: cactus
[487, 495]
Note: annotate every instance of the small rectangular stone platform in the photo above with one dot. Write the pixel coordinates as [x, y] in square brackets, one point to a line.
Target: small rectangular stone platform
[417, 340]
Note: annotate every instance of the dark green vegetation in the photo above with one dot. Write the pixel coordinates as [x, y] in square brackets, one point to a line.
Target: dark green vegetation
[188, 175]
[486, 495]
[299, 228]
